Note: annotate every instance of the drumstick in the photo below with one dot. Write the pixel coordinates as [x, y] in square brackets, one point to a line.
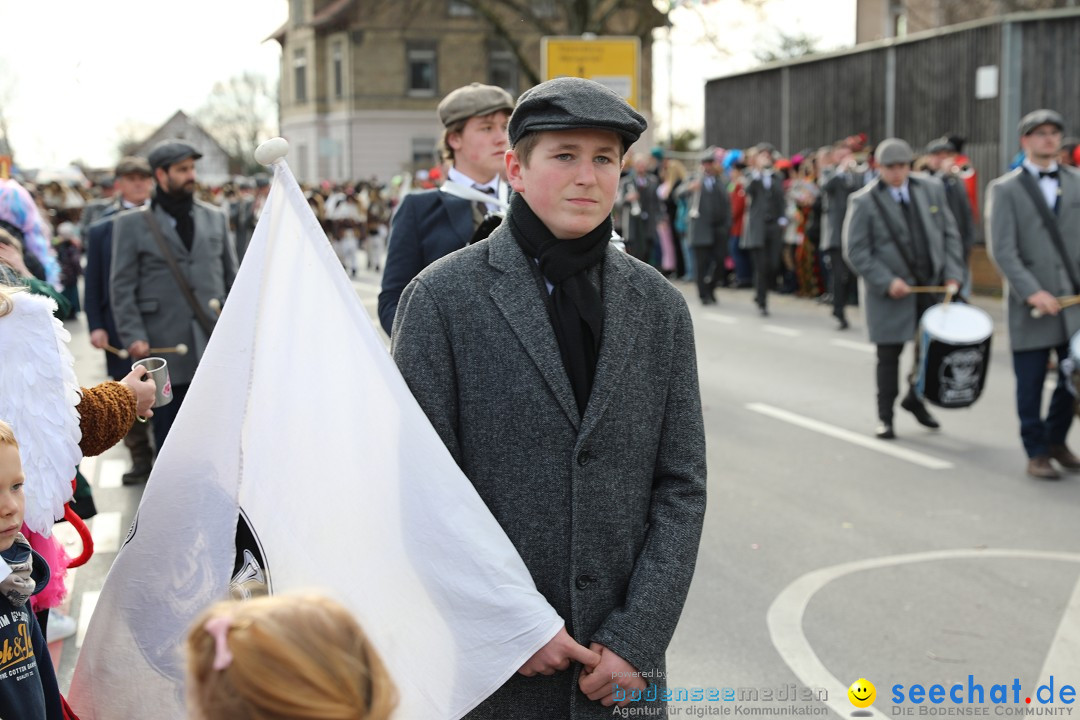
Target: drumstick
[929, 288]
[1064, 301]
[122, 354]
[180, 349]
[215, 305]
[950, 290]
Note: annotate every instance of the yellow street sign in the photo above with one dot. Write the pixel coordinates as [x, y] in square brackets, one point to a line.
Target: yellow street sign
[614, 62]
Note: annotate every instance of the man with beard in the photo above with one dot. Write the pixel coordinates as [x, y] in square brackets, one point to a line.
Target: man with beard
[169, 262]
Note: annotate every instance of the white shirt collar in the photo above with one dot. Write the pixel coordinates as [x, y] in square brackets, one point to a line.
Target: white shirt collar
[1035, 169]
[461, 178]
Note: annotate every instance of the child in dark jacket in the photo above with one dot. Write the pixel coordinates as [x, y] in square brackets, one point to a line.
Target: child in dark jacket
[28, 688]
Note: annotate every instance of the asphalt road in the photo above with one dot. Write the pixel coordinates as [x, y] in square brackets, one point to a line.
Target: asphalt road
[827, 555]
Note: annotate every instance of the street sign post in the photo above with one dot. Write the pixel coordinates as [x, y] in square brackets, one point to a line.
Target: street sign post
[612, 61]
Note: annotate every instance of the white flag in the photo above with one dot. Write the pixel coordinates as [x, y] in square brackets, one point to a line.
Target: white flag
[300, 443]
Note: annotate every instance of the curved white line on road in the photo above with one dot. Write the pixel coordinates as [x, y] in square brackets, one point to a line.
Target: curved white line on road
[785, 616]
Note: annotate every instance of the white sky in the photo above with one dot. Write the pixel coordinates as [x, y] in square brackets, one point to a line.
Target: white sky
[76, 75]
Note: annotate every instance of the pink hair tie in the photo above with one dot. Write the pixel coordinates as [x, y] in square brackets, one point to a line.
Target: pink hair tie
[218, 628]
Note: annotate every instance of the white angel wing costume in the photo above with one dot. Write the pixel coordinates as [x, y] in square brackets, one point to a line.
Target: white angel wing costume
[38, 395]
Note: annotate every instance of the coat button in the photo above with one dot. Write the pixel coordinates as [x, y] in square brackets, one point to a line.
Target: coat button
[583, 581]
[583, 458]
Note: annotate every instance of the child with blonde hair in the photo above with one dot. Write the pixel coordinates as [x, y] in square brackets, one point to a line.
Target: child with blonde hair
[28, 688]
[299, 657]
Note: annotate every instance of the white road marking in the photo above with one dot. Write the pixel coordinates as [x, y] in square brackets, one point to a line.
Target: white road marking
[1063, 660]
[725, 319]
[785, 616]
[86, 610]
[111, 475]
[106, 532]
[854, 345]
[778, 330]
[884, 447]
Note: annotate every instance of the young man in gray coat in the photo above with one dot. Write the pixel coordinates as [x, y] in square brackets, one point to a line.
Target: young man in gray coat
[1031, 212]
[709, 225]
[150, 307]
[560, 373]
[899, 233]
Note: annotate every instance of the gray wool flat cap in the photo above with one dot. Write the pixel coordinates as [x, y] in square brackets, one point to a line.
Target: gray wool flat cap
[941, 144]
[170, 152]
[570, 103]
[473, 100]
[133, 165]
[893, 151]
[1034, 119]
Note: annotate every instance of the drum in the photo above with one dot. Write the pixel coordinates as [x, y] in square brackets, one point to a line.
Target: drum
[954, 354]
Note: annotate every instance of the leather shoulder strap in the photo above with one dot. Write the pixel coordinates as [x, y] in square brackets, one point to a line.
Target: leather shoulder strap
[163, 245]
[1050, 222]
[894, 236]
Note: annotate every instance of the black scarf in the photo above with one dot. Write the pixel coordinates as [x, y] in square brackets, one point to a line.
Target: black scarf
[180, 207]
[576, 311]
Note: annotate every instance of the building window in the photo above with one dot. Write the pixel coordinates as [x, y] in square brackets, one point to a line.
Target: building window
[337, 55]
[300, 75]
[297, 11]
[503, 70]
[422, 81]
[460, 8]
[423, 152]
[544, 8]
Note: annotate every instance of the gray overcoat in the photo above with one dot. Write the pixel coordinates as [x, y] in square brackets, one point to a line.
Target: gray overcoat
[713, 222]
[871, 252]
[1021, 247]
[146, 301]
[764, 207]
[605, 510]
[836, 188]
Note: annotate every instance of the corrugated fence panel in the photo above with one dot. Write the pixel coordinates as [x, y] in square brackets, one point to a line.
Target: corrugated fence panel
[743, 110]
[1051, 58]
[836, 98]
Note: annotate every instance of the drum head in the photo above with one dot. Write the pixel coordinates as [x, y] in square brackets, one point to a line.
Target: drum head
[958, 323]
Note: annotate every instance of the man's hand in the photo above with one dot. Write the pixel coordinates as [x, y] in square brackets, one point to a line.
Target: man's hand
[140, 381]
[99, 338]
[557, 654]
[139, 349]
[1044, 302]
[899, 289]
[952, 288]
[597, 684]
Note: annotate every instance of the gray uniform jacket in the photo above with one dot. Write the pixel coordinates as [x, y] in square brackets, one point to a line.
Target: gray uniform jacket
[713, 221]
[835, 191]
[605, 510]
[146, 301]
[870, 250]
[764, 206]
[1021, 247]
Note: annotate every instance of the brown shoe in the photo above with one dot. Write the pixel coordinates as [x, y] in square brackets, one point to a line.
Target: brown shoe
[1040, 467]
[1065, 458]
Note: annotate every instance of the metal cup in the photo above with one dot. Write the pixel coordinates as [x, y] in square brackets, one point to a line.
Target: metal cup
[158, 369]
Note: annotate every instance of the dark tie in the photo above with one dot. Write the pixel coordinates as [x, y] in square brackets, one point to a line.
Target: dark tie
[481, 207]
[1053, 174]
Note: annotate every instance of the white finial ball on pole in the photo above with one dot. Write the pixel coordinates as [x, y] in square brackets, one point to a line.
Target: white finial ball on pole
[271, 150]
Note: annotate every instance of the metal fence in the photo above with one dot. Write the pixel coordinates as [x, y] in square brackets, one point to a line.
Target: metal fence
[975, 80]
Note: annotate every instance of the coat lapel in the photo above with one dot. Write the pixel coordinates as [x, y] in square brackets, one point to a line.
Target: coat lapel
[517, 297]
[622, 312]
[168, 229]
[462, 222]
[893, 214]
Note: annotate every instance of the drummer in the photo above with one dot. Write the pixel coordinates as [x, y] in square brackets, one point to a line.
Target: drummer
[1030, 213]
[899, 234]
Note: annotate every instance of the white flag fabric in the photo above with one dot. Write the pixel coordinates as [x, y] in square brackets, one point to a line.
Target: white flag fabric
[299, 435]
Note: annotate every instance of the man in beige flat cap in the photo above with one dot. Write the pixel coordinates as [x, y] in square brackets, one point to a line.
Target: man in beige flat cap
[434, 223]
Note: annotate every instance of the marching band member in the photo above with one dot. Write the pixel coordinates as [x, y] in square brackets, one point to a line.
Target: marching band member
[1033, 232]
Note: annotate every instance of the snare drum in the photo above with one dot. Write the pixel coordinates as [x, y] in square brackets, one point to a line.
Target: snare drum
[954, 354]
